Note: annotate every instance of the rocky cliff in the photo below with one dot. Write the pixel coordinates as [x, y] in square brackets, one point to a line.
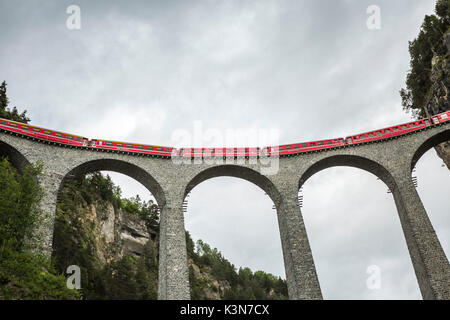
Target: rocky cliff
[428, 79]
[116, 233]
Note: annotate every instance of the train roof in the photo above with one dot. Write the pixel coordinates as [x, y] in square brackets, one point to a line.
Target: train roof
[33, 126]
[139, 144]
[394, 125]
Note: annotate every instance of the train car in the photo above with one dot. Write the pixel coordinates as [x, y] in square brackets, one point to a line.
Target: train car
[440, 118]
[388, 132]
[305, 146]
[130, 147]
[42, 133]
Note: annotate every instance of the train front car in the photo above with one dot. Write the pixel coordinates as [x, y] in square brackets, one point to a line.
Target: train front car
[42, 133]
[389, 132]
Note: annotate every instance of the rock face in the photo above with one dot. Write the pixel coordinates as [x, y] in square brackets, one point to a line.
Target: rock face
[115, 232]
[439, 94]
[213, 289]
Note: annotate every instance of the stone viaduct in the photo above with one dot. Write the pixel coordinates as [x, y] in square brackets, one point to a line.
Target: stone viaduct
[391, 160]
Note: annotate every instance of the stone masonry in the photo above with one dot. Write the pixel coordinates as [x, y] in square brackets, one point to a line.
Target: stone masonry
[391, 160]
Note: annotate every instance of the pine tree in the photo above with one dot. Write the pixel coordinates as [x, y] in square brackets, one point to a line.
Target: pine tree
[4, 101]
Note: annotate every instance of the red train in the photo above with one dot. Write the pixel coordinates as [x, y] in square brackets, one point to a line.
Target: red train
[62, 138]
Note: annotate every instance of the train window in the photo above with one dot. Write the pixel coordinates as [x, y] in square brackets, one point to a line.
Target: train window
[288, 147]
[139, 147]
[404, 126]
[2, 122]
[78, 139]
[47, 132]
[58, 134]
[304, 145]
[108, 143]
[444, 116]
[68, 137]
[36, 130]
[12, 124]
[24, 127]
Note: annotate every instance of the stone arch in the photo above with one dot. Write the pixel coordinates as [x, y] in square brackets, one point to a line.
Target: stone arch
[236, 171]
[387, 176]
[429, 143]
[17, 159]
[249, 175]
[120, 166]
[349, 161]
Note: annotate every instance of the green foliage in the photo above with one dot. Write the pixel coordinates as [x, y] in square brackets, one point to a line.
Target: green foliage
[6, 112]
[20, 195]
[24, 274]
[442, 9]
[131, 278]
[146, 210]
[244, 284]
[428, 43]
[4, 101]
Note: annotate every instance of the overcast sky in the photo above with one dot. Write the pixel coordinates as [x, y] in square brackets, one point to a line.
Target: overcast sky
[295, 71]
